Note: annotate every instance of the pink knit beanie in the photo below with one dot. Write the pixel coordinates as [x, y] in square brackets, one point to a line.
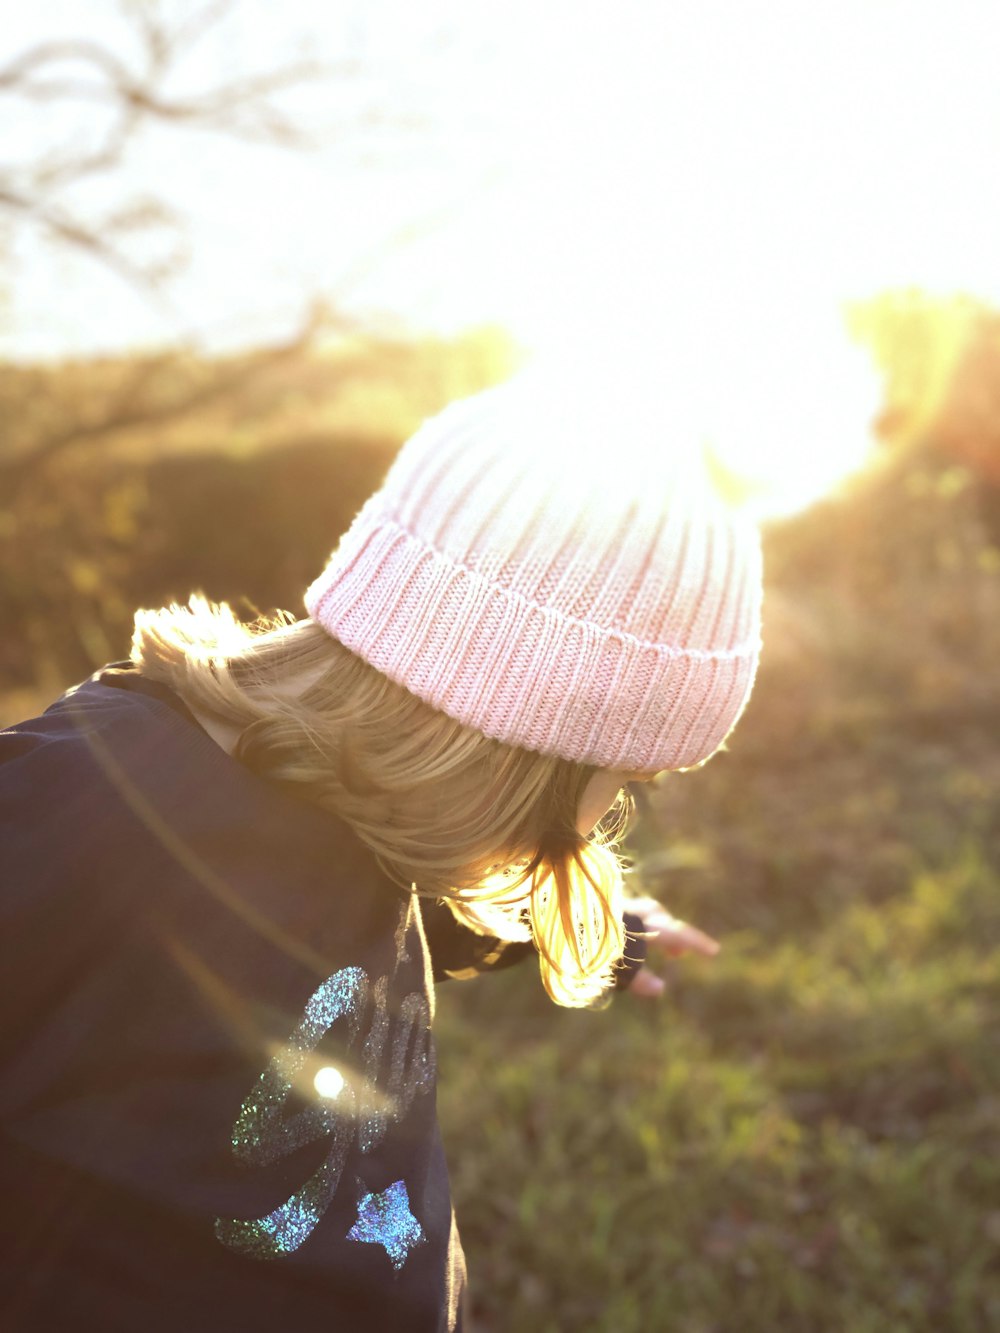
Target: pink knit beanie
[555, 570]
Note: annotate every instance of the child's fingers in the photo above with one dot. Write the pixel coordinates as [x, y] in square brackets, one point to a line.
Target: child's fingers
[675, 937]
[646, 984]
[671, 935]
[643, 906]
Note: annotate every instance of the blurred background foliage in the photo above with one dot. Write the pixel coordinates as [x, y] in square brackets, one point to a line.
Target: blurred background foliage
[132, 481]
[802, 1135]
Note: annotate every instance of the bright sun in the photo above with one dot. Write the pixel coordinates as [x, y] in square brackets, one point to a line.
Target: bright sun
[694, 190]
[700, 189]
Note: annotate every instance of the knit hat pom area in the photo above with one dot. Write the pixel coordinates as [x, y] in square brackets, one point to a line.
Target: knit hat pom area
[552, 566]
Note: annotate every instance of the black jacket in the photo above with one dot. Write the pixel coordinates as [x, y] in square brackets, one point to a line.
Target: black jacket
[218, 1076]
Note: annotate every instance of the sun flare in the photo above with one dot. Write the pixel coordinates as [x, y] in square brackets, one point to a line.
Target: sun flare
[699, 189]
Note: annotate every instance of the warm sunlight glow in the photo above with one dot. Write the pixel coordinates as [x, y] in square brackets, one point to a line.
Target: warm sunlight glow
[700, 188]
[701, 193]
[779, 422]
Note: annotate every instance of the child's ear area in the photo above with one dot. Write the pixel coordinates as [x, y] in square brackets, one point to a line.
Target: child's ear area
[598, 797]
[601, 791]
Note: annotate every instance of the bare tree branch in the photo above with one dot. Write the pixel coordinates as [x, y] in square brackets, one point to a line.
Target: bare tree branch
[215, 108]
[95, 240]
[134, 402]
[135, 93]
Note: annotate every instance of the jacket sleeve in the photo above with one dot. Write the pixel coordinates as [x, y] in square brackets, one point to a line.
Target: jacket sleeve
[458, 953]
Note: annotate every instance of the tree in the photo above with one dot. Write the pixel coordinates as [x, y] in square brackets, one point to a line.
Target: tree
[120, 92]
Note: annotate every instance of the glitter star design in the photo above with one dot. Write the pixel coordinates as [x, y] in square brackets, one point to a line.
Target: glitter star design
[385, 1219]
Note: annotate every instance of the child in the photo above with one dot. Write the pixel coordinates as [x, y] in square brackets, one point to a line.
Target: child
[234, 867]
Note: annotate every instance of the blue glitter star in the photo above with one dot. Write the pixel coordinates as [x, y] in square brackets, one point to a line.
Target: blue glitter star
[385, 1219]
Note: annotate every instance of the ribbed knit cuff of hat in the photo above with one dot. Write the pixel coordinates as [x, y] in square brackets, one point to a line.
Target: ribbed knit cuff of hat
[610, 617]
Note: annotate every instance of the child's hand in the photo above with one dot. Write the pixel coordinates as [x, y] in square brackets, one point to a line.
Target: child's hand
[671, 936]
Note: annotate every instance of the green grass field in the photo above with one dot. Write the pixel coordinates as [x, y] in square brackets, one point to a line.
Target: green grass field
[801, 1135]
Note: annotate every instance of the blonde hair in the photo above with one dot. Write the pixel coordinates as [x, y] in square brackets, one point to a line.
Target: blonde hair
[488, 827]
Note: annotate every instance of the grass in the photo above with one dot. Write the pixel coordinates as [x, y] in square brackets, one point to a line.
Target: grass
[802, 1136]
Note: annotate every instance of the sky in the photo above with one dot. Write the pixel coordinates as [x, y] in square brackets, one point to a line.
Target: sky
[693, 189]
